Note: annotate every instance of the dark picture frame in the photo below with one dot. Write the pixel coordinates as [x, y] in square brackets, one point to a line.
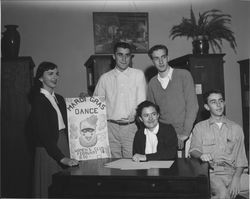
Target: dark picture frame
[112, 27]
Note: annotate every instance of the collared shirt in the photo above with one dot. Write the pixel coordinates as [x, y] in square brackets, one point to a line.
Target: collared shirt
[53, 101]
[123, 91]
[225, 144]
[151, 140]
[164, 81]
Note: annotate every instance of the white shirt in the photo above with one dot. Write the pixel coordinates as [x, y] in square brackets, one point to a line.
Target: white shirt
[123, 91]
[219, 124]
[164, 81]
[52, 99]
[151, 140]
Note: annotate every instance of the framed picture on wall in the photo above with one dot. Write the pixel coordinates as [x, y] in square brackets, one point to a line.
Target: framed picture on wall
[112, 27]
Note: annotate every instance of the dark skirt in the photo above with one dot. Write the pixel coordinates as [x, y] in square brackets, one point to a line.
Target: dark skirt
[46, 166]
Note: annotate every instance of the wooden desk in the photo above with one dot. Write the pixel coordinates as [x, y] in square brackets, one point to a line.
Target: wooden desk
[187, 178]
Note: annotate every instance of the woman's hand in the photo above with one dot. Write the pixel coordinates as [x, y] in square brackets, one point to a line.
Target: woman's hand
[69, 162]
[138, 157]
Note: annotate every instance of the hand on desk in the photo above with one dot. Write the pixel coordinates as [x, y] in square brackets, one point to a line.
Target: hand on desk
[138, 157]
[206, 157]
[69, 162]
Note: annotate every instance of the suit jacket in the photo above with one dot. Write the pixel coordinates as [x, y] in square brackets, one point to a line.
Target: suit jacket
[167, 143]
[45, 124]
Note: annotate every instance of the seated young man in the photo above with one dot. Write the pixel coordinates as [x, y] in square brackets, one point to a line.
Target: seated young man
[220, 142]
[154, 140]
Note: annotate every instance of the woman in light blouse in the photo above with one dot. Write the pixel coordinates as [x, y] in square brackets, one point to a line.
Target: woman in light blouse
[153, 140]
[49, 128]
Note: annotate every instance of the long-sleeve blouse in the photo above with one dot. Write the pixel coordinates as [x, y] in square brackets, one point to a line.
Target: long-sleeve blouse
[167, 143]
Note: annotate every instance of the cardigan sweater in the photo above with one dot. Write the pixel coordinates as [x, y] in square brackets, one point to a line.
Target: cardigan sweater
[45, 124]
[178, 102]
[167, 143]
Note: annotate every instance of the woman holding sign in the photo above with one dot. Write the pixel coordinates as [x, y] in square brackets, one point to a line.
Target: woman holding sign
[49, 128]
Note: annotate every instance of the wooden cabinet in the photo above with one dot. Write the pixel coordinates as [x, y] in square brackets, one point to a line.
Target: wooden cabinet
[97, 65]
[207, 72]
[16, 157]
[244, 78]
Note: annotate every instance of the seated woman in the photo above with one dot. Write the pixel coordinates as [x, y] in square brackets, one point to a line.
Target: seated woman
[153, 140]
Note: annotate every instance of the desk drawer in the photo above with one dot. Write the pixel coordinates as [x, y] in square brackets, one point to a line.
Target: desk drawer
[127, 186]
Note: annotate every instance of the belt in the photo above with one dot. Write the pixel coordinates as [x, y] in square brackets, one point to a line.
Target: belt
[222, 164]
[121, 123]
[221, 167]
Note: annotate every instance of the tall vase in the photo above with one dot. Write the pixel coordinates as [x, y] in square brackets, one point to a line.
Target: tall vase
[200, 46]
[10, 43]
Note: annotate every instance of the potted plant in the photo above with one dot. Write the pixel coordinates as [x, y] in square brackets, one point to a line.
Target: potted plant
[211, 28]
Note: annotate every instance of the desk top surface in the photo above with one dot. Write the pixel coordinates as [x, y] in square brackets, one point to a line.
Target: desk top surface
[181, 168]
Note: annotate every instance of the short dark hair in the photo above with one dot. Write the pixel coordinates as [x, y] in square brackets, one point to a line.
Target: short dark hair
[157, 47]
[44, 66]
[145, 104]
[122, 45]
[37, 85]
[212, 91]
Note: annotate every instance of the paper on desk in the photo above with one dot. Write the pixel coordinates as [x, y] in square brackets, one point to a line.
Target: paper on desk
[126, 164]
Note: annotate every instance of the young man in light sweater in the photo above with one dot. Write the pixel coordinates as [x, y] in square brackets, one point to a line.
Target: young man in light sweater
[173, 91]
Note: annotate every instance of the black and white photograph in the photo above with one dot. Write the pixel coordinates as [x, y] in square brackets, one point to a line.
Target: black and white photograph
[115, 99]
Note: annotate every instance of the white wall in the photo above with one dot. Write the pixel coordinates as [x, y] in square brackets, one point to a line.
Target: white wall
[62, 32]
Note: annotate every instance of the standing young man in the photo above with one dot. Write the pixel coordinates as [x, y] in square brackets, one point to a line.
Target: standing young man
[173, 91]
[124, 88]
[220, 142]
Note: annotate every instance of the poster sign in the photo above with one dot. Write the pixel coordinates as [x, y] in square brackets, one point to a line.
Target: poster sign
[87, 124]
